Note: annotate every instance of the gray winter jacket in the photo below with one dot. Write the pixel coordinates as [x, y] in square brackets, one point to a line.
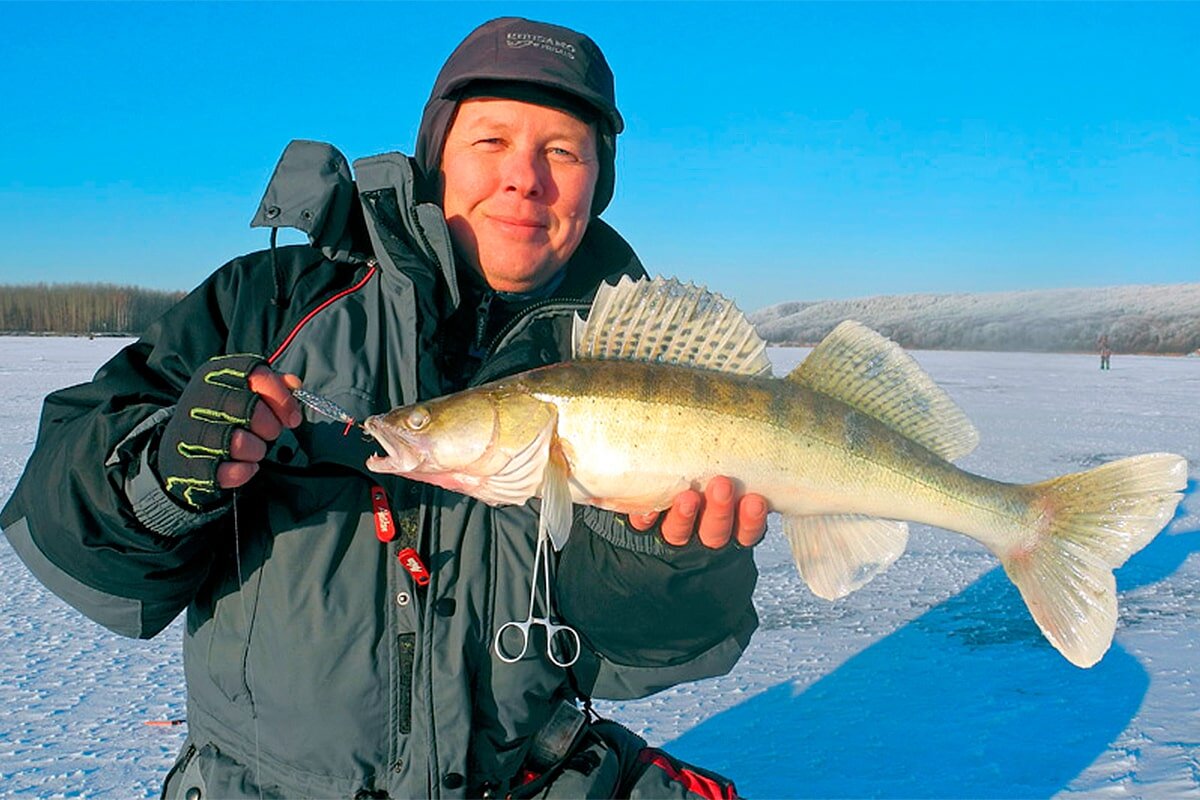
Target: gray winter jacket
[315, 665]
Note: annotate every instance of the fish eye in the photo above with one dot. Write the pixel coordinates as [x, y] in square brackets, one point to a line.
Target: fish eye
[417, 419]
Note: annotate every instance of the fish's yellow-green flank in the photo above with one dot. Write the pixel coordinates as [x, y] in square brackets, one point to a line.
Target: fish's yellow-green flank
[669, 388]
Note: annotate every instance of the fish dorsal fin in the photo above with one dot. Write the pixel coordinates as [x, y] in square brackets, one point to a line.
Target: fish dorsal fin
[874, 375]
[665, 321]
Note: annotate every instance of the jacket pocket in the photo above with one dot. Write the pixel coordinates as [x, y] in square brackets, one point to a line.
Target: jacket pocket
[233, 608]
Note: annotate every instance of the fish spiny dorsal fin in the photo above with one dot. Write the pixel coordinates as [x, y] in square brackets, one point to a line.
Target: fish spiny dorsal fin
[872, 374]
[665, 321]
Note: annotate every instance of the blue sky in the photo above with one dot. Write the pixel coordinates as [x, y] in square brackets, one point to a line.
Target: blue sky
[774, 151]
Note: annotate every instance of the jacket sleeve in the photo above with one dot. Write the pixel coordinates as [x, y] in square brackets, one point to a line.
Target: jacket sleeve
[88, 516]
[652, 615]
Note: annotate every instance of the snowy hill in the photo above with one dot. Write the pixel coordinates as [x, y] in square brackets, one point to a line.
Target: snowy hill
[1136, 319]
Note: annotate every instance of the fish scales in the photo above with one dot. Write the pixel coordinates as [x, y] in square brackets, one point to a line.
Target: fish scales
[664, 425]
[854, 444]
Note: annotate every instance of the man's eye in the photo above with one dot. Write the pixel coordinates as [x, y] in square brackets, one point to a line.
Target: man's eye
[489, 144]
[562, 154]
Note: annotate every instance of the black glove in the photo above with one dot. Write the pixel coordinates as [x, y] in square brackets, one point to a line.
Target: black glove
[216, 402]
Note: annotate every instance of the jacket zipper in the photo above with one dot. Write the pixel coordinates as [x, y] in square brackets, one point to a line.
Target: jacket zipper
[500, 339]
[479, 347]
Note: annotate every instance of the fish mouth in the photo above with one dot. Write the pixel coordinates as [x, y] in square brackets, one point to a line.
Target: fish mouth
[402, 456]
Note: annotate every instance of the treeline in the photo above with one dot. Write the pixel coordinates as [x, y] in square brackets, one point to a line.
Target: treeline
[81, 308]
[1136, 319]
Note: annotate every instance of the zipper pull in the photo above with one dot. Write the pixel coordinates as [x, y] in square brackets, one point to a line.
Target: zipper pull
[385, 526]
[482, 314]
[385, 531]
[411, 561]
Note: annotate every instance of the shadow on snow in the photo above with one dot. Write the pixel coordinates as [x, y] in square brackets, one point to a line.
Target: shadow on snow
[966, 700]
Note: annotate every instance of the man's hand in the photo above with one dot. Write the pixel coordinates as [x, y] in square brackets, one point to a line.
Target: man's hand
[231, 408]
[721, 515]
[277, 410]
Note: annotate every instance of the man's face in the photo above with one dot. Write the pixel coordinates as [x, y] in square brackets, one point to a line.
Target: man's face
[517, 185]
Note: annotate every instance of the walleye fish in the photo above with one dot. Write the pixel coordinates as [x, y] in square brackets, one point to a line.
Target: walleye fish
[669, 386]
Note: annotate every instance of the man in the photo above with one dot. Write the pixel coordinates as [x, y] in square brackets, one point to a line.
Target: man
[339, 623]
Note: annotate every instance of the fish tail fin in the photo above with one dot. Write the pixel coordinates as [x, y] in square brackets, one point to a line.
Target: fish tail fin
[1086, 525]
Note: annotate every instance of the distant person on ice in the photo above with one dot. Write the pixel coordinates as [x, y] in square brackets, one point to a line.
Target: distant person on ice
[1105, 352]
[320, 660]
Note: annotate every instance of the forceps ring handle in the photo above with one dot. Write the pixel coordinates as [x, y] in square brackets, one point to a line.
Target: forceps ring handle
[498, 646]
[570, 647]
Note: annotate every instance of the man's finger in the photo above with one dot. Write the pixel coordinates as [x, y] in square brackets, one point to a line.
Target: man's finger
[643, 522]
[264, 424]
[716, 522]
[751, 519]
[680, 520]
[233, 474]
[245, 446]
[273, 389]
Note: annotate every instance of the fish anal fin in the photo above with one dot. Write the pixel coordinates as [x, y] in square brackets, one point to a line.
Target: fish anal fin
[838, 554]
[665, 321]
[872, 374]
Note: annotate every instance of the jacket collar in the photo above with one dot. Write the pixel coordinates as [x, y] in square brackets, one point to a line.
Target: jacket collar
[387, 190]
[314, 190]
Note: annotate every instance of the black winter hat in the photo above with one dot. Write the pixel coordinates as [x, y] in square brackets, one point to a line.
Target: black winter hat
[564, 68]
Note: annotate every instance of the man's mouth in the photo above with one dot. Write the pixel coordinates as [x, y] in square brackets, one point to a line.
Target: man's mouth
[522, 226]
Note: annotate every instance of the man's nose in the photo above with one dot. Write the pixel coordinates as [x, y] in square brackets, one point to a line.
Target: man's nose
[523, 172]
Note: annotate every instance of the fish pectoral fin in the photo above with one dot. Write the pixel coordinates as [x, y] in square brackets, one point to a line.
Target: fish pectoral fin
[557, 514]
[872, 374]
[522, 475]
[841, 553]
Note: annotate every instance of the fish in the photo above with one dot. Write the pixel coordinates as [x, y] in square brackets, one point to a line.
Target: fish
[668, 385]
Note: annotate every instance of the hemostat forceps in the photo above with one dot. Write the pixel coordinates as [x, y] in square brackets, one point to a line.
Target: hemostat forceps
[565, 636]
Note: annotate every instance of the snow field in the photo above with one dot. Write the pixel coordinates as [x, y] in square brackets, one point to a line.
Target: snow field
[932, 681]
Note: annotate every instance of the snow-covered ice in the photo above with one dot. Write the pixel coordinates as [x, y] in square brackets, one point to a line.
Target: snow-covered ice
[932, 681]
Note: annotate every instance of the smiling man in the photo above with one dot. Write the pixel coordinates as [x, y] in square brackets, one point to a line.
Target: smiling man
[517, 186]
[340, 624]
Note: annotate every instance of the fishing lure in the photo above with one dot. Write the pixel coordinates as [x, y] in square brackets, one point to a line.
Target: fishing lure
[326, 408]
